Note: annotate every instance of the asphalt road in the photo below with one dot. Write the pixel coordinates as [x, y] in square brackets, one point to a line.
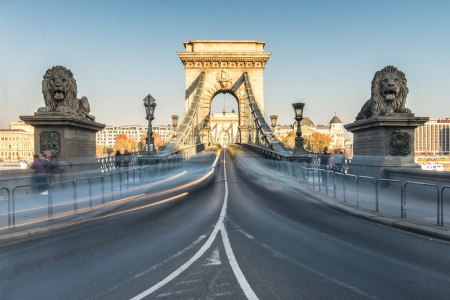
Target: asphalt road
[236, 238]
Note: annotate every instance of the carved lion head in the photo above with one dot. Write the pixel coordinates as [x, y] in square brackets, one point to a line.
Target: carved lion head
[389, 90]
[60, 90]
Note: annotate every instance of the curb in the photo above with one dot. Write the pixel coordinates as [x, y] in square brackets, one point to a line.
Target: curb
[397, 223]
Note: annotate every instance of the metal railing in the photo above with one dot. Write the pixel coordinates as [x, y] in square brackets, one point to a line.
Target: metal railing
[402, 204]
[358, 178]
[126, 177]
[422, 184]
[307, 176]
[445, 187]
[9, 203]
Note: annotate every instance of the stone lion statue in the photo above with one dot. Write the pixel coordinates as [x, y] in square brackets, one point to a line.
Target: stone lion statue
[60, 94]
[389, 91]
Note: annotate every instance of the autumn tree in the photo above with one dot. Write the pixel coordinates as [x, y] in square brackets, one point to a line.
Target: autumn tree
[108, 150]
[99, 151]
[159, 142]
[142, 142]
[123, 142]
[289, 139]
[317, 141]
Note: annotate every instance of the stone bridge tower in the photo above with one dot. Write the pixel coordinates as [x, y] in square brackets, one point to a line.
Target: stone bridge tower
[224, 64]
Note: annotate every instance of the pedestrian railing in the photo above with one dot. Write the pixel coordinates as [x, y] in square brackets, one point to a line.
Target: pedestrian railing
[12, 205]
[402, 203]
[358, 179]
[342, 178]
[331, 173]
[89, 180]
[52, 190]
[9, 203]
[446, 187]
[102, 181]
[312, 176]
[123, 179]
[345, 183]
[409, 183]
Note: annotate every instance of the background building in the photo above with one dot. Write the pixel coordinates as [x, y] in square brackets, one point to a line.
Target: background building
[224, 128]
[17, 142]
[107, 137]
[432, 139]
[335, 130]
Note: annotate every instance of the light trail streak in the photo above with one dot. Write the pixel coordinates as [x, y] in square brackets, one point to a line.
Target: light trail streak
[83, 200]
[55, 228]
[108, 204]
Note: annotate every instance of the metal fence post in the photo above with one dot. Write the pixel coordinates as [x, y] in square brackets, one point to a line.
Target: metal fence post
[424, 184]
[9, 204]
[357, 186]
[442, 203]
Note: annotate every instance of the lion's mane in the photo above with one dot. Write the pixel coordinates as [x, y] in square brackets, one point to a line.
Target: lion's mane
[377, 104]
[70, 100]
[70, 104]
[379, 101]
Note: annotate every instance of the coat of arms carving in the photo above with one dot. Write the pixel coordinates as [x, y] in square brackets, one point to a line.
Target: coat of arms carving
[224, 78]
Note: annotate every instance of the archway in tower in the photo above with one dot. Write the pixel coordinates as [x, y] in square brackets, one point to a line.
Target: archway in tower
[224, 102]
[224, 119]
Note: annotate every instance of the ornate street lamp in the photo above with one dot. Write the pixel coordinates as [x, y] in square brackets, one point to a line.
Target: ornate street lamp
[150, 105]
[273, 120]
[175, 124]
[298, 109]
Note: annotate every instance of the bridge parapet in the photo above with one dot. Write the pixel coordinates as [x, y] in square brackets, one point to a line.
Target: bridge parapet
[281, 156]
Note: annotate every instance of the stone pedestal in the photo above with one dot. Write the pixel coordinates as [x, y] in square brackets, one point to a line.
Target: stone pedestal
[73, 140]
[381, 142]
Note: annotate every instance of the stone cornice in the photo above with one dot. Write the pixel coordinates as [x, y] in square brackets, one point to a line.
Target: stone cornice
[224, 58]
[254, 60]
[61, 119]
[389, 120]
[212, 54]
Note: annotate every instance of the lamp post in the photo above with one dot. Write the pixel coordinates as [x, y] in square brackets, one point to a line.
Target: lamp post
[175, 124]
[150, 105]
[273, 120]
[298, 109]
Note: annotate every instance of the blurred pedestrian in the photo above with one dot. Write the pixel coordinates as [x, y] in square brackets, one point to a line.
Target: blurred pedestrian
[52, 168]
[339, 160]
[117, 159]
[40, 175]
[324, 157]
[126, 158]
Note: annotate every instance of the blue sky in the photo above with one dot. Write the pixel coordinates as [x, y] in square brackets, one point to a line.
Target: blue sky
[324, 53]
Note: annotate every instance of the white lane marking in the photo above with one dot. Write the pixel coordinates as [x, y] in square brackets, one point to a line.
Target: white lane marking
[186, 265]
[175, 293]
[214, 260]
[248, 235]
[245, 286]
[188, 281]
[219, 226]
[202, 237]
